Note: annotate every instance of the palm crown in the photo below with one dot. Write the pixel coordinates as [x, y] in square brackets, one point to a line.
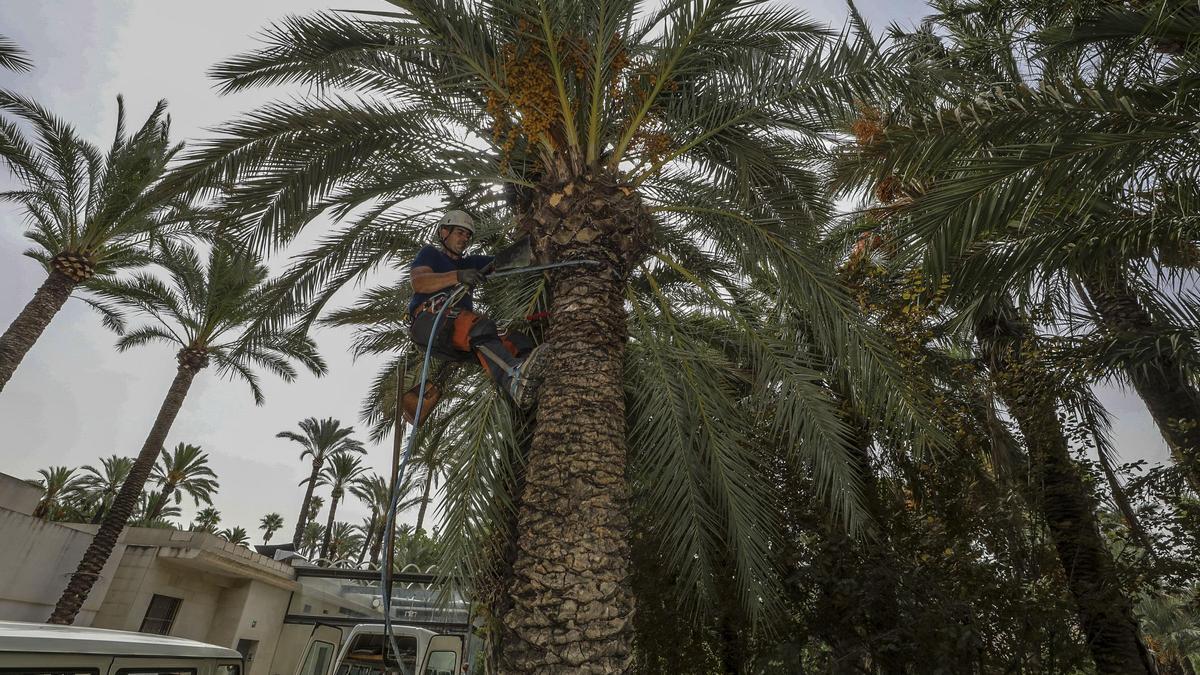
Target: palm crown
[214, 311]
[185, 469]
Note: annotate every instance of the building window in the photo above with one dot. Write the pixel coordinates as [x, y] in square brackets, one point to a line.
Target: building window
[160, 615]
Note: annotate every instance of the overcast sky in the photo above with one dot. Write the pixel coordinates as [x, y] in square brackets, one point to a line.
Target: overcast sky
[74, 399]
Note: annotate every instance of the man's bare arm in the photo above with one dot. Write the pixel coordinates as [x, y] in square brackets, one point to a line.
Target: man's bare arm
[425, 280]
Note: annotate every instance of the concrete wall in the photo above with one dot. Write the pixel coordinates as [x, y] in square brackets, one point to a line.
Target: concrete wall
[17, 495]
[37, 558]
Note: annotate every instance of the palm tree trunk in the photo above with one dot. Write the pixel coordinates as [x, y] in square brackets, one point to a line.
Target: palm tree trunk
[1105, 613]
[377, 542]
[424, 500]
[102, 545]
[333, 504]
[368, 536]
[303, 518]
[1160, 381]
[571, 604]
[29, 324]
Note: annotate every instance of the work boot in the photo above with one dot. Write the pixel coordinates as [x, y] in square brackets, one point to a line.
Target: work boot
[524, 386]
[409, 402]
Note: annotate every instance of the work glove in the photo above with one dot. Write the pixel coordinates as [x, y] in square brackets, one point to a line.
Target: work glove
[470, 276]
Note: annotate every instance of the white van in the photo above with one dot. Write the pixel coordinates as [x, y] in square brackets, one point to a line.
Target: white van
[38, 648]
[363, 647]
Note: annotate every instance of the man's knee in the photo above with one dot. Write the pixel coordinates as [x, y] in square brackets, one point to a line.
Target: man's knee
[482, 330]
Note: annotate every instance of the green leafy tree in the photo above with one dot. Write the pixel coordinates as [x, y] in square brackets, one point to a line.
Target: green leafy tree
[100, 486]
[213, 311]
[320, 440]
[314, 533]
[342, 543]
[59, 485]
[185, 470]
[341, 470]
[269, 524]
[90, 215]
[154, 510]
[206, 520]
[374, 492]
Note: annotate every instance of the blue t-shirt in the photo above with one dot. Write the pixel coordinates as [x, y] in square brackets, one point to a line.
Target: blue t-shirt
[436, 259]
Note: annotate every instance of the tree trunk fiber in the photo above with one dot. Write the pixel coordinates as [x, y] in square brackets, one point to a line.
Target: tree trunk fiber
[333, 504]
[303, 518]
[1105, 613]
[1173, 401]
[29, 324]
[424, 501]
[571, 607]
[102, 545]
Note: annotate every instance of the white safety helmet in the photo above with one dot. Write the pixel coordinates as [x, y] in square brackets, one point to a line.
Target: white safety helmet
[457, 219]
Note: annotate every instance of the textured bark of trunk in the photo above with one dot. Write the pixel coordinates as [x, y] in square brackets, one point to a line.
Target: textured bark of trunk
[303, 518]
[362, 550]
[1104, 612]
[424, 502]
[102, 545]
[333, 504]
[1173, 401]
[29, 324]
[571, 608]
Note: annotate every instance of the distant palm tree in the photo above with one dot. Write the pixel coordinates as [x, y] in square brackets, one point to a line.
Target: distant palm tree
[268, 524]
[341, 470]
[100, 486]
[320, 439]
[13, 57]
[153, 510]
[185, 469]
[373, 491]
[92, 214]
[237, 536]
[221, 312]
[313, 533]
[206, 520]
[343, 542]
[59, 485]
[314, 508]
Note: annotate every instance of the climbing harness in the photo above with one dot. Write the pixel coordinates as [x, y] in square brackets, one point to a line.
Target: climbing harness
[447, 301]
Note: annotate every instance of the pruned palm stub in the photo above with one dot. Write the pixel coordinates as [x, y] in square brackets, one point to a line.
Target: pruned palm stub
[674, 148]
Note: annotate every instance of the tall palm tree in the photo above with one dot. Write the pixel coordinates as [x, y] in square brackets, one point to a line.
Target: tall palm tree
[12, 56]
[185, 469]
[320, 439]
[102, 485]
[670, 150]
[269, 524]
[237, 535]
[212, 311]
[341, 470]
[59, 485]
[206, 520]
[314, 508]
[90, 214]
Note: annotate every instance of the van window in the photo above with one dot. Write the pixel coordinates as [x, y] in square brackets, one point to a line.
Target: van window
[366, 656]
[151, 670]
[228, 669]
[318, 658]
[441, 663]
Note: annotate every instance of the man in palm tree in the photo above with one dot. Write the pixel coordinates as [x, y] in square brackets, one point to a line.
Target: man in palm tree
[508, 356]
